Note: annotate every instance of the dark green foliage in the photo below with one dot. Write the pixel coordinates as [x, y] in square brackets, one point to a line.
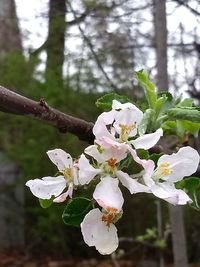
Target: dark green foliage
[76, 210]
[191, 186]
[105, 102]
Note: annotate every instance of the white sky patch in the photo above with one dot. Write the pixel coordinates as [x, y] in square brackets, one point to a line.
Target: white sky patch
[33, 21]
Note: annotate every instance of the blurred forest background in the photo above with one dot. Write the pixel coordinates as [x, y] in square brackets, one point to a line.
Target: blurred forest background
[88, 48]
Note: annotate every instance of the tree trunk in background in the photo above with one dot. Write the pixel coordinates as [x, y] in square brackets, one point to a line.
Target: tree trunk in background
[55, 42]
[177, 224]
[10, 38]
[11, 190]
[161, 44]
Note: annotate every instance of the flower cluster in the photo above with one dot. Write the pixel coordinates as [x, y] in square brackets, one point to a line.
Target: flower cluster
[117, 139]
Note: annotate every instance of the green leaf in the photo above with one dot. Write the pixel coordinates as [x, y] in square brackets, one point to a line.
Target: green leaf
[76, 210]
[189, 114]
[146, 122]
[191, 186]
[159, 103]
[155, 157]
[105, 102]
[168, 125]
[142, 153]
[129, 166]
[186, 103]
[148, 87]
[46, 203]
[187, 127]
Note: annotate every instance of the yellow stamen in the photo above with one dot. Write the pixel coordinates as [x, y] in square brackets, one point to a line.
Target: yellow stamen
[125, 131]
[67, 172]
[162, 171]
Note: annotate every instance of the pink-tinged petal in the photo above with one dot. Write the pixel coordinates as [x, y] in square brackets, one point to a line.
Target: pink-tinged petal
[169, 193]
[183, 163]
[60, 158]
[108, 194]
[117, 105]
[63, 197]
[105, 153]
[96, 233]
[118, 153]
[86, 171]
[147, 141]
[47, 187]
[148, 166]
[132, 184]
[107, 143]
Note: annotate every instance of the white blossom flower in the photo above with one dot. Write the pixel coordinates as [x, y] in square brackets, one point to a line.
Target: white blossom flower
[98, 230]
[48, 187]
[106, 162]
[171, 169]
[98, 227]
[121, 124]
[108, 155]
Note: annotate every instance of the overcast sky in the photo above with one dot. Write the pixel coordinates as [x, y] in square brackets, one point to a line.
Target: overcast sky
[33, 23]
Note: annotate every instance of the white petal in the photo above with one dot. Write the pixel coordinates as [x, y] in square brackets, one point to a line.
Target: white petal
[108, 194]
[169, 193]
[100, 129]
[147, 141]
[183, 163]
[117, 105]
[60, 158]
[97, 233]
[47, 187]
[86, 171]
[131, 184]
[94, 152]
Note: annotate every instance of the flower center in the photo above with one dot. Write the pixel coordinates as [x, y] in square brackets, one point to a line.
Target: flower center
[162, 171]
[110, 166]
[125, 131]
[67, 173]
[109, 215]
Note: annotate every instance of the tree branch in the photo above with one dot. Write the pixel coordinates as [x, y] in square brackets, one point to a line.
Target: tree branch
[185, 4]
[11, 102]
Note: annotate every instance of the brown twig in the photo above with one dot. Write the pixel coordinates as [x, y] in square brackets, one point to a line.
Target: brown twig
[11, 102]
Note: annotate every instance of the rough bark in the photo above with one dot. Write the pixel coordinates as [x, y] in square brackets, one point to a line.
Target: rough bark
[14, 103]
[177, 224]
